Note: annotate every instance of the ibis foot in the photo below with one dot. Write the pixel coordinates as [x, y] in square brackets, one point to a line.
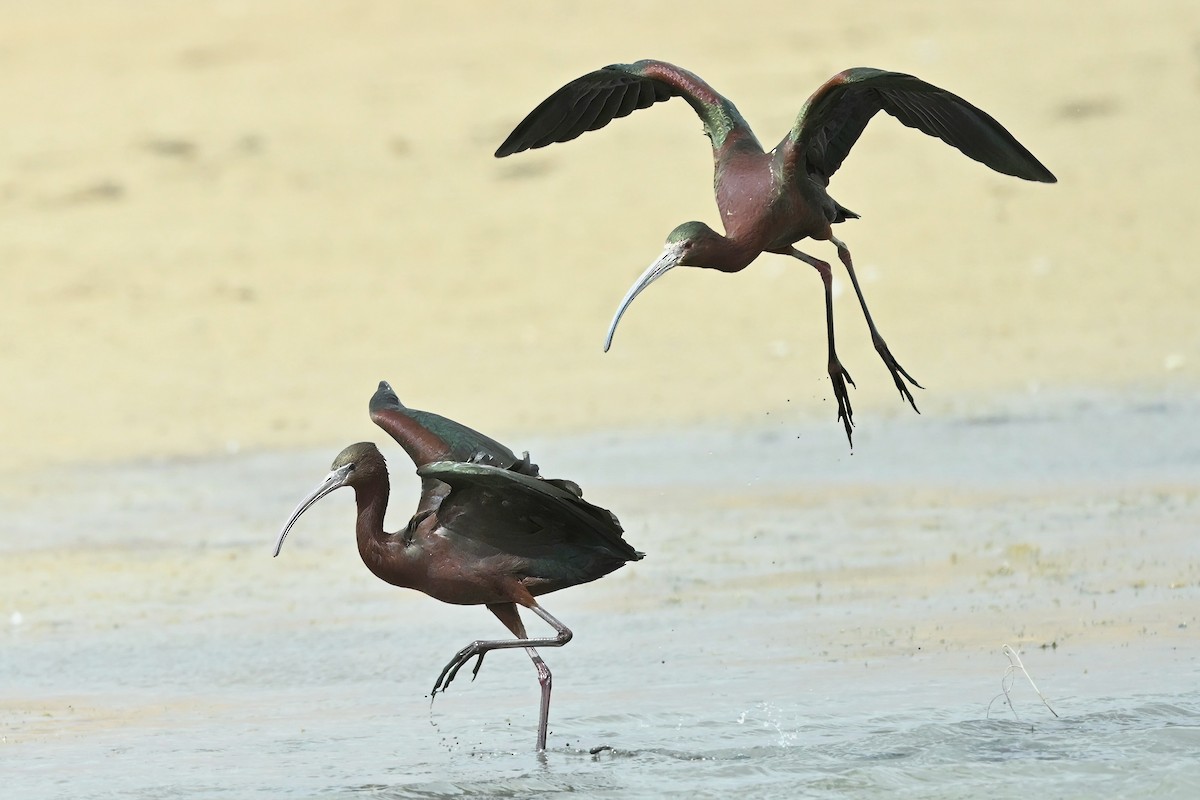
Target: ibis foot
[450, 671]
[899, 374]
[839, 377]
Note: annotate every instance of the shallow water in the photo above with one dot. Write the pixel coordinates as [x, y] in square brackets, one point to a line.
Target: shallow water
[807, 623]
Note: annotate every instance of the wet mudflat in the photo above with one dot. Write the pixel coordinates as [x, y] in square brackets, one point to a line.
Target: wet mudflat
[807, 620]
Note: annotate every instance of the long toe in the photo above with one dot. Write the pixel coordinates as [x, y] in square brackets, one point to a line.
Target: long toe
[478, 664]
[839, 377]
[458, 665]
[846, 415]
[904, 392]
[899, 374]
[446, 677]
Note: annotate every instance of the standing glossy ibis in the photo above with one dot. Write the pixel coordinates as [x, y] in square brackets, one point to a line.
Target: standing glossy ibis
[770, 201]
[488, 530]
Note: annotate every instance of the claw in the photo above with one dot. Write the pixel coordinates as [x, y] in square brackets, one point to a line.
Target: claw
[446, 676]
[897, 371]
[840, 377]
[450, 671]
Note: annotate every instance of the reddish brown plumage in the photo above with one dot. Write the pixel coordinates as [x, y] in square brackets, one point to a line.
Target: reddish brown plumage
[482, 535]
[769, 201]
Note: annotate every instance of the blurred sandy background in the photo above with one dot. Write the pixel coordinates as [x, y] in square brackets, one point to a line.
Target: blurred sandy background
[221, 223]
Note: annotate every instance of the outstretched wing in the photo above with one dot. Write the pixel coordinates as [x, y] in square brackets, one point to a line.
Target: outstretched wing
[465, 444]
[836, 114]
[597, 98]
[526, 516]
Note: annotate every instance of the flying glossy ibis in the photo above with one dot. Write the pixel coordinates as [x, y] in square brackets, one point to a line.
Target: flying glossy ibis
[768, 201]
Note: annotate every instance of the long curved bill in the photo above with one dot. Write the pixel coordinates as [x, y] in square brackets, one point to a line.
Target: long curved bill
[665, 262]
[334, 480]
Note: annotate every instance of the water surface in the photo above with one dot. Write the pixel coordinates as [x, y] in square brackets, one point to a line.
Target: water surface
[807, 623]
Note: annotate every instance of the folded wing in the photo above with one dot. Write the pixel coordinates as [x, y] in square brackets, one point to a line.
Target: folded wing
[532, 518]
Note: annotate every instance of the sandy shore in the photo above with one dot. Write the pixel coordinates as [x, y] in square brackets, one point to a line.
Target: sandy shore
[222, 224]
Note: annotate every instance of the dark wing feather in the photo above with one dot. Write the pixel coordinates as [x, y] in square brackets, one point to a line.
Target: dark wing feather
[466, 444]
[524, 515]
[597, 98]
[836, 114]
[585, 104]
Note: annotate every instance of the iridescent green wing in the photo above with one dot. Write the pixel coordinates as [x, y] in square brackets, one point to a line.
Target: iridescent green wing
[465, 444]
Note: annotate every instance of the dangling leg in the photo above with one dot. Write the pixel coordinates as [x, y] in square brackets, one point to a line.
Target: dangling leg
[838, 375]
[880, 345]
[507, 613]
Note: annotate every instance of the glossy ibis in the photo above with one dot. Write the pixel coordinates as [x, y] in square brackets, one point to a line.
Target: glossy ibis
[770, 201]
[488, 530]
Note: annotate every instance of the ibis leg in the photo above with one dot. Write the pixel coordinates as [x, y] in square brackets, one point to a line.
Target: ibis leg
[507, 614]
[899, 375]
[838, 375]
[544, 680]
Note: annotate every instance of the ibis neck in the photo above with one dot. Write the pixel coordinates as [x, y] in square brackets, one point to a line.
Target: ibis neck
[727, 254]
[391, 557]
[372, 501]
